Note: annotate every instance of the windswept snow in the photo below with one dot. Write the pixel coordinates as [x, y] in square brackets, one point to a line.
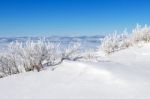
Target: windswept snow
[122, 75]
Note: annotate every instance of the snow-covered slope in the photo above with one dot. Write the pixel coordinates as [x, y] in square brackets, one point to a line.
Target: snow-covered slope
[122, 75]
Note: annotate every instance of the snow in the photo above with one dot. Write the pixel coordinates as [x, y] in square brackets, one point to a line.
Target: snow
[122, 75]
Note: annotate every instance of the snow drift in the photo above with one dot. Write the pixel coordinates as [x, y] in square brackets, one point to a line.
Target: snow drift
[122, 75]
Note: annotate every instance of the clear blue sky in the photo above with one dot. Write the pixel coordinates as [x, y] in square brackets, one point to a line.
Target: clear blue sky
[70, 17]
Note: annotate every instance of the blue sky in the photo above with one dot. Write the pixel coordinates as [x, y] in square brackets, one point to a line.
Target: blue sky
[70, 17]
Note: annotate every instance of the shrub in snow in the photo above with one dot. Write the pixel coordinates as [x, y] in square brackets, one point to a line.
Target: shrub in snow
[140, 34]
[9, 61]
[8, 64]
[72, 52]
[32, 55]
[35, 55]
[89, 55]
[114, 42]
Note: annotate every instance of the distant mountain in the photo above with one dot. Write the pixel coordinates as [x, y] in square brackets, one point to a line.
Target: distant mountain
[52, 38]
[86, 41]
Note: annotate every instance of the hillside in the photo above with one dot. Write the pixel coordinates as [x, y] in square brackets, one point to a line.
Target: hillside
[122, 75]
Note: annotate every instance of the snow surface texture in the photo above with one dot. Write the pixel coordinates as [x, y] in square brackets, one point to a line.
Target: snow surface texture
[122, 75]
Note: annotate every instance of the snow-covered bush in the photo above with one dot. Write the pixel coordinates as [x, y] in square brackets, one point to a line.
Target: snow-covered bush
[114, 42]
[140, 34]
[71, 52]
[8, 64]
[10, 60]
[33, 55]
[89, 55]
